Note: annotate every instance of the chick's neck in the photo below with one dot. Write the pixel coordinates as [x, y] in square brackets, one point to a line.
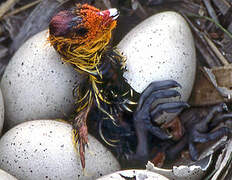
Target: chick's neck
[86, 56]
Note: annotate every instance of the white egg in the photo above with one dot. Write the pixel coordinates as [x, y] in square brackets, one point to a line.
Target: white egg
[1, 111]
[37, 84]
[160, 48]
[133, 174]
[43, 149]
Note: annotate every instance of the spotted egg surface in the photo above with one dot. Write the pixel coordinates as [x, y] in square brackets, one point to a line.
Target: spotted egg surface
[43, 149]
[37, 84]
[160, 48]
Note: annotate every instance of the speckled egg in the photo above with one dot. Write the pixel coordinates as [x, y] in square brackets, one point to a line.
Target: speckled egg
[1, 111]
[37, 84]
[43, 149]
[6, 176]
[160, 48]
[133, 174]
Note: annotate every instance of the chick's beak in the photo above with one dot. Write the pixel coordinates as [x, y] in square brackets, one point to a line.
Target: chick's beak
[113, 13]
[110, 14]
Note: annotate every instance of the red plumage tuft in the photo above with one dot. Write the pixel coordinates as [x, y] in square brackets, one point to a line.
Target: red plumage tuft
[60, 24]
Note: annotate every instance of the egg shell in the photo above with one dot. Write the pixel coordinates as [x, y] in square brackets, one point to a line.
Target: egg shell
[160, 48]
[196, 170]
[43, 149]
[1, 111]
[6, 176]
[37, 84]
[133, 174]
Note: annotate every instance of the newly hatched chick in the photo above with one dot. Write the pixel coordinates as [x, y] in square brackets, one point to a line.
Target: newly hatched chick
[81, 36]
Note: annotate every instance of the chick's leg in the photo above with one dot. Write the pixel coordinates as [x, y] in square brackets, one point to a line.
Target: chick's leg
[200, 132]
[143, 115]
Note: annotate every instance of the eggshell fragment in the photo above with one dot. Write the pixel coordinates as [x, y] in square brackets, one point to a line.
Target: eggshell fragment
[133, 174]
[43, 149]
[195, 171]
[37, 84]
[160, 48]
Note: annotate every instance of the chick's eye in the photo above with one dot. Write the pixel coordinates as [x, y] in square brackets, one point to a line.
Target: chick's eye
[81, 31]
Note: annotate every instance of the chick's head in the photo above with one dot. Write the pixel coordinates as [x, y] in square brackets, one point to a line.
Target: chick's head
[84, 26]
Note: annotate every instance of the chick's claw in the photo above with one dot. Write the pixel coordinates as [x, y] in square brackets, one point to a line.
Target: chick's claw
[220, 118]
[196, 137]
[203, 126]
[200, 132]
[172, 107]
[155, 86]
[144, 114]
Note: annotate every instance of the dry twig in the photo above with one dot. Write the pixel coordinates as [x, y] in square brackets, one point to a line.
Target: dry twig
[216, 51]
[21, 9]
[211, 10]
[222, 5]
[6, 6]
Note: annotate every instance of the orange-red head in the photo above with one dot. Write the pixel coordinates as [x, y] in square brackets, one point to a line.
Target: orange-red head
[83, 24]
[80, 35]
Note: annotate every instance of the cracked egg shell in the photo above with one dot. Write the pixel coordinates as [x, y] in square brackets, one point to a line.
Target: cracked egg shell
[196, 170]
[160, 48]
[37, 84]
[43, 149]
[133, 174]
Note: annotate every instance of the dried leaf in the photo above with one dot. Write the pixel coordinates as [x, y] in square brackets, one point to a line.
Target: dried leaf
[222, 5]
[221, 79]
[204, 93]
[212, 86]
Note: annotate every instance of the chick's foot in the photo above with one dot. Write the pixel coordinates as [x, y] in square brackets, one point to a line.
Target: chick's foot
[200, 132]
[144, 115]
